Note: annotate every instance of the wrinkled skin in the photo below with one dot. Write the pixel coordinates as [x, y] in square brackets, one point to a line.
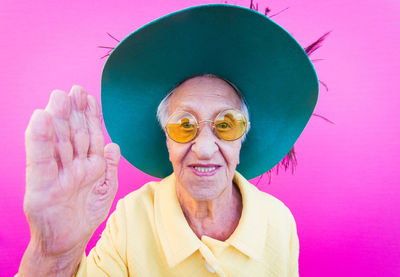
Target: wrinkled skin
[71, 178]
[211, 203]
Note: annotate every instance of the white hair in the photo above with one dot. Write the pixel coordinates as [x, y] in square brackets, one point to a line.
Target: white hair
[162, 110]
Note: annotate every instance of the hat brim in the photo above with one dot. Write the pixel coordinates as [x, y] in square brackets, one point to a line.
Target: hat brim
[245, 47]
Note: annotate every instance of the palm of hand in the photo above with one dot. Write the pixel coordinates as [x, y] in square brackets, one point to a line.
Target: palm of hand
[71, 177]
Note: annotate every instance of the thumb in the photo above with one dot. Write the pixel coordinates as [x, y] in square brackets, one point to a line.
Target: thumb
[112, 155]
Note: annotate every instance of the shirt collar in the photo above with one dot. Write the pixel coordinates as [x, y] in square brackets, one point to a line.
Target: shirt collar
[179, 241]
[250, 235]
[177, 238]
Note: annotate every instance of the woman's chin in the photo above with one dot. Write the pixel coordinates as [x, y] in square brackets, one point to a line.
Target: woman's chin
[205, 191]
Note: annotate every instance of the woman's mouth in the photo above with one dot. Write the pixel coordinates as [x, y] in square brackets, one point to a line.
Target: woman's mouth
[204, 170]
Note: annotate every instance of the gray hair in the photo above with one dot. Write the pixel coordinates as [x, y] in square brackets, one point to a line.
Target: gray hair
[162, 110]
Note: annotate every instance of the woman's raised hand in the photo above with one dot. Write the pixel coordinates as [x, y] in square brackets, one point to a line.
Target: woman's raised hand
[71, 178]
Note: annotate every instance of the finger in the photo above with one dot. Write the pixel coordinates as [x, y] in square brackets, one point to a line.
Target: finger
[96, 137]
[112, 155]
[77, 121]
[60, 108]
[41, 165]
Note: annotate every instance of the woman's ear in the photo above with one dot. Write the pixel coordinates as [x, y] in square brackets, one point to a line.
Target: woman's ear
[238, 161]
[168, 143]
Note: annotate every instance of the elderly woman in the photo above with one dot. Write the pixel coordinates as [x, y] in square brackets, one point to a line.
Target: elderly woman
[204, 219]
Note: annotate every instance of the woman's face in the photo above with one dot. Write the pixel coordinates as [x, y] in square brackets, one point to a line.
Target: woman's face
[206, 165]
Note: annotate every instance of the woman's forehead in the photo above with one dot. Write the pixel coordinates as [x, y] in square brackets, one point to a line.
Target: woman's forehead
[200, 93]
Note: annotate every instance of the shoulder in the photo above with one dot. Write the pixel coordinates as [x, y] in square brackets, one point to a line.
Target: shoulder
[138, 201]
[265, 204]
[276, 214]
[271, 201]
[133, 217]
[275, 207]
[143, 194]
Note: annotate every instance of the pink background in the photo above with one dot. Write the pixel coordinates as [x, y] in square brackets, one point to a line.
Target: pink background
[345, 192]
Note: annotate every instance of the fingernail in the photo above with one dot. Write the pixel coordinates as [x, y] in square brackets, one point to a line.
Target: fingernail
[61, 102]
[79, 97]
[41, 122]
[93, 106]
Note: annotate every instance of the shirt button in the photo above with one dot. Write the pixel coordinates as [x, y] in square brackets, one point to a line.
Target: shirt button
[210, 268]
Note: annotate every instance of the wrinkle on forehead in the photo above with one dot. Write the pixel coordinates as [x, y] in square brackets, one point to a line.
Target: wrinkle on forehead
[202, 92]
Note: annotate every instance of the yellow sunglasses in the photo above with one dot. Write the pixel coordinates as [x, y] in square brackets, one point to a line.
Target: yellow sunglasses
[182, 126]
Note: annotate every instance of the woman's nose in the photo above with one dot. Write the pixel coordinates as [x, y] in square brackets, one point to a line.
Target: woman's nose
[205, 144]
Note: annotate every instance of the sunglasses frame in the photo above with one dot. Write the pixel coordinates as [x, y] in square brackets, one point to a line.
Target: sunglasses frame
[197, 123]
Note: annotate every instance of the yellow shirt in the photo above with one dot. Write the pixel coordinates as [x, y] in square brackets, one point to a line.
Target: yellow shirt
[148, 235]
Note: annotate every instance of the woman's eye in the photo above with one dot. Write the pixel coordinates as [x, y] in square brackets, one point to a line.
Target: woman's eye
[223, 125]
[186, 125]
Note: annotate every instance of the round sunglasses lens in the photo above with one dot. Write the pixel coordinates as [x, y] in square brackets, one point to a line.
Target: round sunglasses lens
[181, 127]
[230, 125]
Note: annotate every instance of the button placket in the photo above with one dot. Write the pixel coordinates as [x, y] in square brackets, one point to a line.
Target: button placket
[209, 268]
[210, 261]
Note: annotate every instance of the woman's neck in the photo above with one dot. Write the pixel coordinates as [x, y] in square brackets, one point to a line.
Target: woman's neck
[216, 218]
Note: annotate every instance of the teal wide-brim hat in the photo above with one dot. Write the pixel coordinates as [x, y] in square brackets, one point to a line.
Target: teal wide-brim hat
[259, 57]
